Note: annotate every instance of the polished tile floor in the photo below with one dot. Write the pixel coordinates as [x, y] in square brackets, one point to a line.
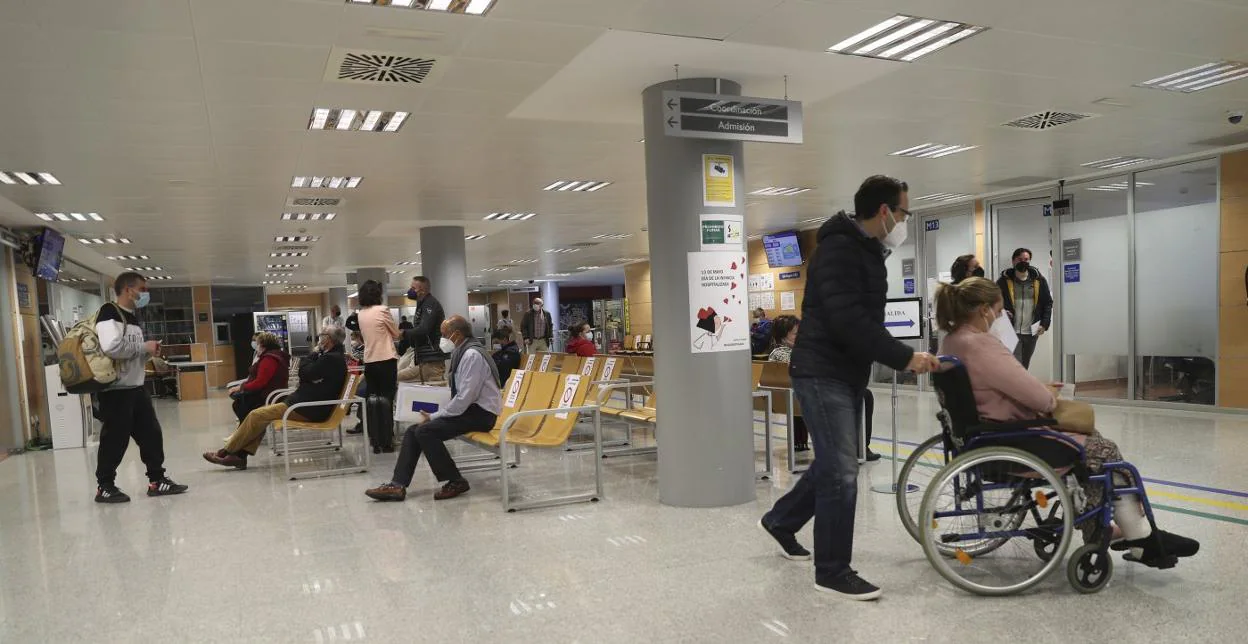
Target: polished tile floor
[248, 556]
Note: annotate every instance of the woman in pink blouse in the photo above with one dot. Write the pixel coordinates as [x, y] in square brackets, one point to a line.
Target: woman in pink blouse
[381, 361]
[1005, 391]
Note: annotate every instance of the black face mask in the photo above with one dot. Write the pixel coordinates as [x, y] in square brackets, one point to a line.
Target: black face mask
[978, 272]
[1022, 267]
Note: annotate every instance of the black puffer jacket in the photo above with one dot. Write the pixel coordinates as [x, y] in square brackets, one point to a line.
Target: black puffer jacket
[427, 332]
[842, 329]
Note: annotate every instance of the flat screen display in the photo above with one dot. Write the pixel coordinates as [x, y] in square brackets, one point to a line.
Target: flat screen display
[782, 249]
[51, 247]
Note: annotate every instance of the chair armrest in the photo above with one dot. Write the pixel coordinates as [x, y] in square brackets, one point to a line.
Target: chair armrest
[277, 393]
[511, 420]
[604, 393]
[319, 403]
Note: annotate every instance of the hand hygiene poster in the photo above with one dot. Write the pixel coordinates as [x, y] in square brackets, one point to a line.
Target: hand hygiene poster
[718, 316]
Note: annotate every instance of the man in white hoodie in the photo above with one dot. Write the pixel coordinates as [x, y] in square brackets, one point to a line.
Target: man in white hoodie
[125, 408]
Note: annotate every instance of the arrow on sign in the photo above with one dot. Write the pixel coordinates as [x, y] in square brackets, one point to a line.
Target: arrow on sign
[671, 121]
[906, 323]
[671, 103]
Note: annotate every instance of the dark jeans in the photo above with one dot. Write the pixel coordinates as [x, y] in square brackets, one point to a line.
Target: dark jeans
[430, 437]
[828, 491]
[801, 434]
[247, 403]
[382, 378]
[1025, 349]
[126, 414]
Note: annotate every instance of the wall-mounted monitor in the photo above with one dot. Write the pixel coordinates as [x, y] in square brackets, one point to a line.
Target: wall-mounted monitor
[783, 249]
[51, 249]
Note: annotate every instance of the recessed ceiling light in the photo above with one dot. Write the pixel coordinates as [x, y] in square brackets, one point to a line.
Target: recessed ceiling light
[563, 250]
[524, 261]
[932, 150]
[905, 38]
[410, 262]
[1113, 163]
[273, 282]
[1201, 77]
[471, 7]
[158, 277]
[473, 237]
[565, 185]
[288, 254]
[558, 274]
[341, 119]
[141, 269]
[511, 281]
[510, 216]
[777, 191]
[132, 258]
[942, 196]
[396, 272]
[72, 216]
[298, 287]
[296, 239]
[271, 266]
[813, 220]
[29, 178]
[613, 236]
[332, 183]
[496, 269]
[588, 268]
[629, 260]
[1117, 186]
[308, 216]
[90, 241]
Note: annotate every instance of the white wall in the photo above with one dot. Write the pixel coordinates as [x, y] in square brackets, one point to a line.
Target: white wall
[69, 305]
[1176, 281]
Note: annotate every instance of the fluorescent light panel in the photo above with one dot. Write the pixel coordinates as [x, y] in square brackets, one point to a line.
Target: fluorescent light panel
[141, 269]
[565, 185]
[524, 261]
[932, 150]
[905, 38]
[273, 282]
[613, 236]
[473, 237]
[96, 241]
[132, 258]
[470, 7]
[286, 254]
[14, 178]
[296, 239]
[308, 216]
[588, 268]
[1115, 162]
[563, 250]
[1117, 186]
[332, 183]
[777, 191]
[510, 216]
[629, 260]
[348, 120]
[942, 196]
[71, 216]
[272, 266]
[1200, 77]
[409, 262]
[496, 269]
[158, 277]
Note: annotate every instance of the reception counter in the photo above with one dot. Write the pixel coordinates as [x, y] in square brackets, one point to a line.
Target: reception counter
[193, 378]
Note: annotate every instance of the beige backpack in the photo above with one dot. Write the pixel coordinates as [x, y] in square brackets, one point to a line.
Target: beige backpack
[85, 368]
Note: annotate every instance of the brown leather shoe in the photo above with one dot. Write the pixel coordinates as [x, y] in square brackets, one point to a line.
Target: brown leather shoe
[387, 492]
[226, 459]
[451, 490]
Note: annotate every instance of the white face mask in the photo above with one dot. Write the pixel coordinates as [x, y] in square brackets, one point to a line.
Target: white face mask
[897, 236]
[255, 346]
[589, 335]
[1004, 331]
[446, 346]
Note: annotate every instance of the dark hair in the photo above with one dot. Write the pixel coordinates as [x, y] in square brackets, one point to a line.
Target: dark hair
[506, 314]
[781, 326]
[126, 280]
[503, 334]
[371, 293]
[877, 190]
[961, 268]
[579, 329]
[422, 279]
[1020, 251]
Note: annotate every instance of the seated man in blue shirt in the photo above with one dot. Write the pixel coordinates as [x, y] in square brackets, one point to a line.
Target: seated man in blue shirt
[474, 406]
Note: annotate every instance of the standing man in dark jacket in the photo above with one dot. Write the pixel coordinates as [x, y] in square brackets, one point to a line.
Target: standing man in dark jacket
[425, 335]
[1028, 302]
[322, 375]
[537, 328]
[842, 335]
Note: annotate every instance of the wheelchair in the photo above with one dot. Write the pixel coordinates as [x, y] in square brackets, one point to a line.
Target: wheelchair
[1000, 502]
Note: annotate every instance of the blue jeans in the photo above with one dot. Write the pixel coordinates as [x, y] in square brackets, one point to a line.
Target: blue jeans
[828, 491]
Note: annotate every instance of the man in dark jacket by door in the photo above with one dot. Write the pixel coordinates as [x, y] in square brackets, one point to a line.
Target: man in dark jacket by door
[1028, 302]
[537, 328]
[842, 335]
[425, 334]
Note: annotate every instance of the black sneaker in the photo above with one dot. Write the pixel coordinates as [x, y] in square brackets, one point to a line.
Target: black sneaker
[165, 487]
[110, 494]
[850, 586]
[872, 456]
[789, 546]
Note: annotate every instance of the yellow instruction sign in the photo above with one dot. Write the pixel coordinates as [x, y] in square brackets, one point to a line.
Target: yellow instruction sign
[719, 181]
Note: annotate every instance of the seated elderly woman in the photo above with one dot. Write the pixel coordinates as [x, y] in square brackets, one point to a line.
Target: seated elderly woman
[1005, 391]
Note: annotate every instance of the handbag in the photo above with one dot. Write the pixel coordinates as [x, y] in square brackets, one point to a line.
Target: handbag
[1074, 416]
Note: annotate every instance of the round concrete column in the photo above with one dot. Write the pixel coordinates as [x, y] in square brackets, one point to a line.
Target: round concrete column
[705, 419]
[444, 261]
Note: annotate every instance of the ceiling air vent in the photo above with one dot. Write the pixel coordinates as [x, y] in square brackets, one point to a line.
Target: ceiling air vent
[362, 66]
[1046, 120]
[314, 202]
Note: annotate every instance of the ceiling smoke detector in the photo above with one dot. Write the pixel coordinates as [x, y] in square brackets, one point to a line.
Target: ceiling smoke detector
[1047, 120]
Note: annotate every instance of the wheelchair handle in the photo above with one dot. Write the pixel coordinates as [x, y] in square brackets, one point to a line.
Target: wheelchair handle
[949, 360]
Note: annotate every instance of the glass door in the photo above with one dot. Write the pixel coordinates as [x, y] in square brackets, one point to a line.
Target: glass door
[1018, 226]
[946, 236]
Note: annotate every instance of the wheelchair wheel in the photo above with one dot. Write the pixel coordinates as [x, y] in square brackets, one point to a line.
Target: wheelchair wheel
[923, 464]
[989, 506]
[1090, 569]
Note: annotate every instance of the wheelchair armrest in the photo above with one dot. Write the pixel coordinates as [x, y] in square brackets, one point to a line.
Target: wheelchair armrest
[1011, 426]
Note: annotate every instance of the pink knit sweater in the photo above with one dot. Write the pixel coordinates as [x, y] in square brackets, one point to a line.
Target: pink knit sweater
[1004, 390]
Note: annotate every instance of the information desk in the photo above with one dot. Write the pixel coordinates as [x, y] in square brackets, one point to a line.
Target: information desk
[193, 378]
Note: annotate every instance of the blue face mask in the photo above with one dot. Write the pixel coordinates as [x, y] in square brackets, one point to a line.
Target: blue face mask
[412, 294]
[144, 298]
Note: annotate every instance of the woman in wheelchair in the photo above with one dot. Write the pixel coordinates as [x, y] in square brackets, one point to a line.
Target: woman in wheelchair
[1004, 391]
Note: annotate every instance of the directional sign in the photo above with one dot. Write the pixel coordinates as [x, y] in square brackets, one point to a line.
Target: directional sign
[903, 318]
[735, 118]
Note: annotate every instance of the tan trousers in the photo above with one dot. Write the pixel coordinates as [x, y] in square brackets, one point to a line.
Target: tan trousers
[249, 433]
[539, 345]
[433, 371]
